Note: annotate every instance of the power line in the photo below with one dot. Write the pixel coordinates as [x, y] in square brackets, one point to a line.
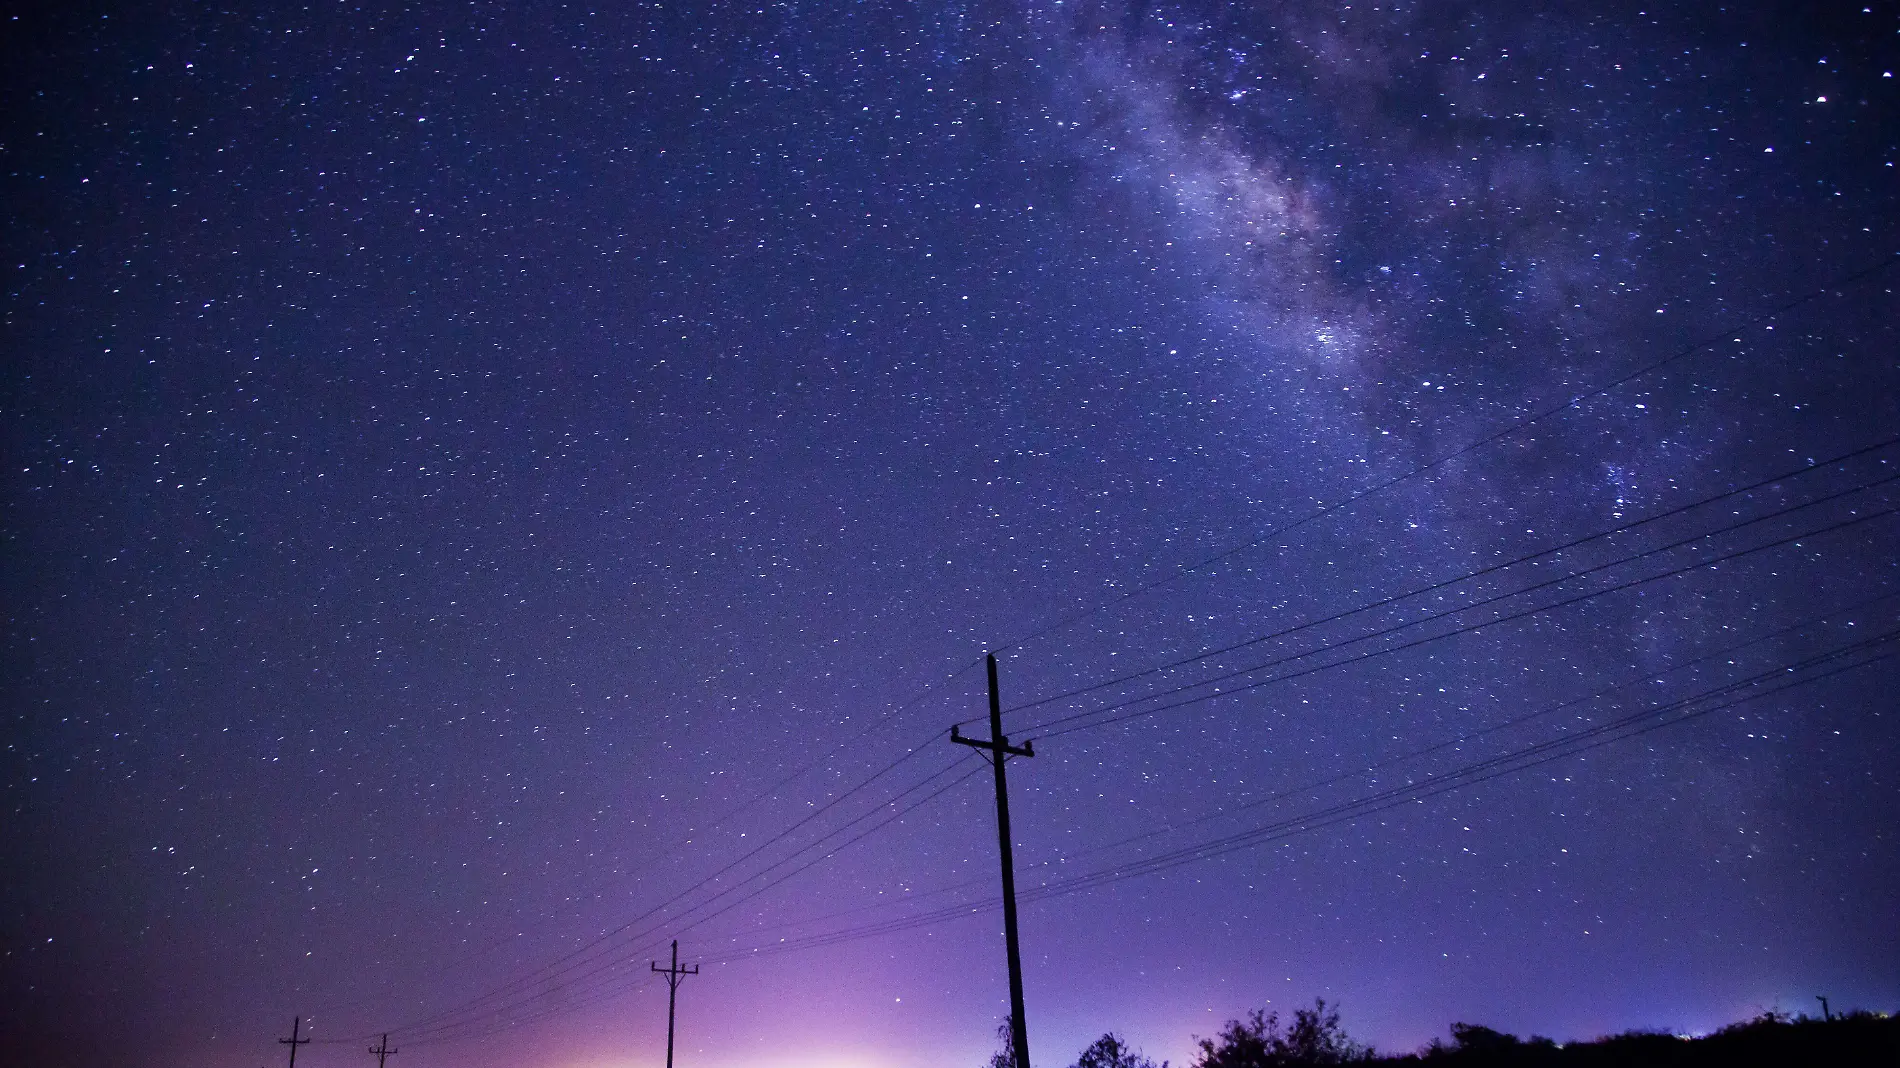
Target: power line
[1623, 586]
[1070, 723]
[1515, 721]
[1498, 435]
[444, 1022]
[607, 989]
[585, 962]
[604, 991]
[1712, 654]
[555, 966]
[1455, 580]
[1572, 402]
[1495, 436]
[1471, 628]
[536, 976]
[1482, 771]
[444, 1029]
[793, 776]
[1485, 770]
[1305, 821]
[892, 818]
[772, 790]
[817, 843]
[482, 1029]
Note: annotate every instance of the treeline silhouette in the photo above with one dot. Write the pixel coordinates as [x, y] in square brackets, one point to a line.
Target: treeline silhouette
[1314, 1037]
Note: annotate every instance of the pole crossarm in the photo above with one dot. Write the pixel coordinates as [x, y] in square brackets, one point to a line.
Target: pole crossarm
[676, 973]
[998, 745]
[383, 1052]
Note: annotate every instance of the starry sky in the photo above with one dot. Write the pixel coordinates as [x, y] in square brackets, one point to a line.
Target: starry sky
[491, 490]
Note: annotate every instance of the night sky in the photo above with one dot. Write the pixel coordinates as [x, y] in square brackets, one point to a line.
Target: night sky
[491, 490]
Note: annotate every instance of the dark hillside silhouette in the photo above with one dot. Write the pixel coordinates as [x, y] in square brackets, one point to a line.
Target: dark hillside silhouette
[1314, 1037]
[1771, 1040]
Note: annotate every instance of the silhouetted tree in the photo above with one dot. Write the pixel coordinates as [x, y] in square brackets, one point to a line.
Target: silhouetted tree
[1109, 1051]
[1314, 1037]
[1005, 1057]
[1242, 1043]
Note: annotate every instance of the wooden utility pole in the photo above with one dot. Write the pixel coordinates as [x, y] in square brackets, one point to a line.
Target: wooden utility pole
[674, 975]
[383, 1052]
[999, 750]
[296, 1027]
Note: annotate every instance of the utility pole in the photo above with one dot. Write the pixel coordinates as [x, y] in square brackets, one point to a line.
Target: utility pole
[383, 1052]
[999, 750]
[296, 1027]
[674, 975]
[1825, 1015]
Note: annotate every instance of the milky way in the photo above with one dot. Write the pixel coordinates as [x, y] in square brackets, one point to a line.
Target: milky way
[494, 491]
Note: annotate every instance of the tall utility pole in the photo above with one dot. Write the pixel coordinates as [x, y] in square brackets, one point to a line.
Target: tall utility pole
[383, 1052]
[999, 750]
[674, 975]
[296, 1026]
